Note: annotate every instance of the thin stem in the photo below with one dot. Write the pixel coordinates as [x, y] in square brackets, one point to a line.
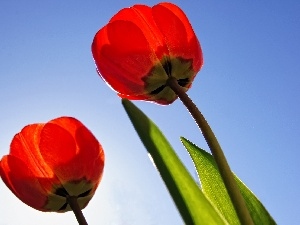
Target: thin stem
[226, 174]
[72, 200]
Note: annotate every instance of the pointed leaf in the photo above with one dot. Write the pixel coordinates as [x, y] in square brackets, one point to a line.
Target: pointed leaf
[214, 188]
[188, 197]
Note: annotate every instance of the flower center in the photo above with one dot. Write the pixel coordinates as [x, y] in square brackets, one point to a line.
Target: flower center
[156, 79]
[63, 193]
[57, 199]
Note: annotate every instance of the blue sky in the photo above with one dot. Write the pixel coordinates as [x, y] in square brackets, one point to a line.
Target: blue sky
[248, 90]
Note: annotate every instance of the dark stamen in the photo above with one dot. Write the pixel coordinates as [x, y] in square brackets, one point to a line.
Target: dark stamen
[63, 207]
[157, 90]
[84, 193]
[168, 67]
[183, 82]
[61, 192]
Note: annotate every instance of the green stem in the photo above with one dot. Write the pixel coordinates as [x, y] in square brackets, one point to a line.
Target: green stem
[72, 201]
[226, 174]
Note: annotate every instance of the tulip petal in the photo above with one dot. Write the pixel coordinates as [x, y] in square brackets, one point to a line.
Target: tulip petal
[19, 178]
[141, 16]
[178, 32]
[91, 154]
[123, 56]
[25, 146]
[57, 141]
[81, 156]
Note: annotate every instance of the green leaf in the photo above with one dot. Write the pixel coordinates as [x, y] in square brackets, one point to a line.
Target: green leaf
[188, 197]
[214, 188]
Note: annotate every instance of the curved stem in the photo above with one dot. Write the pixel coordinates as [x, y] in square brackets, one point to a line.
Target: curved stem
[72, 201]
[226, 174]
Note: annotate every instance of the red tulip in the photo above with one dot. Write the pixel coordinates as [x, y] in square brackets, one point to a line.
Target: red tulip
[141, 47]
[49, 162]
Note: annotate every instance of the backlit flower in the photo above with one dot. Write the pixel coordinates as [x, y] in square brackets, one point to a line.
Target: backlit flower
[141, 47]
[49, 162]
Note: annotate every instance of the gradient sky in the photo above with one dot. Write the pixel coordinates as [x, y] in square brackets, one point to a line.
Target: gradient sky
[248, 90]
